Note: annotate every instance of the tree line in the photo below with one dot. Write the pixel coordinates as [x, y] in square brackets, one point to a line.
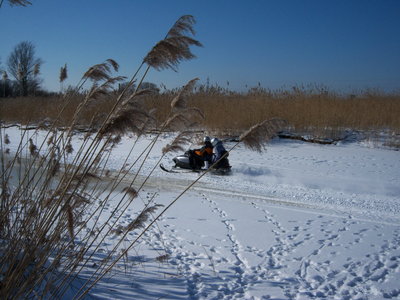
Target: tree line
[20, 76]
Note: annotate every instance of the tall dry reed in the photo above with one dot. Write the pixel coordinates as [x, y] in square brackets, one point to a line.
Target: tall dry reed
[51, 219]
[235, 112]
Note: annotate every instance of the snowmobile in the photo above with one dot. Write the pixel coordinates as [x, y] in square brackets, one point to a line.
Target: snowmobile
[190, 161]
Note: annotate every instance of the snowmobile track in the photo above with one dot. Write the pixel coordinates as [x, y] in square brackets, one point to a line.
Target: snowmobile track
[179, 183]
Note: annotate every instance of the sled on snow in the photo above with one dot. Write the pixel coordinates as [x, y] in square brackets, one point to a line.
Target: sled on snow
[191, 162]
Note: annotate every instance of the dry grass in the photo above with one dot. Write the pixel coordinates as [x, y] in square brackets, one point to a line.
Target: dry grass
[302, 111]
[36, 110]
[236, 112]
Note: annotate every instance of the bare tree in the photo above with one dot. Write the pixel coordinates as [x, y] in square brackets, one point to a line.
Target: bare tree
[24, 67]
[4, 78]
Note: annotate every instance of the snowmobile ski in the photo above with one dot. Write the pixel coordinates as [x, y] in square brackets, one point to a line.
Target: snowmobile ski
[221, 171]
[172, 170]
[167, 170]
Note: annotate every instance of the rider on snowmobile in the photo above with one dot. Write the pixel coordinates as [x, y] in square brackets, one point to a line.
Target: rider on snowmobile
[206, 152]
[219, 152]
[198, 157]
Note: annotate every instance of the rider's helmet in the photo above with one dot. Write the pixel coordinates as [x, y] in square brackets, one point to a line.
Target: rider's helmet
[206, 139]
[214, 141]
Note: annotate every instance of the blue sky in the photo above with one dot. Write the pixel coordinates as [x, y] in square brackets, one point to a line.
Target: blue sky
[345, 45]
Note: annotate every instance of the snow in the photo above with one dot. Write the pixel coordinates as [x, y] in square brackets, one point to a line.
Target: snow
[297, 221]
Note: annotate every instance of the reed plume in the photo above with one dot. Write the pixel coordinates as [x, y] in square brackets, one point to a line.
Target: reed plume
[177, 144]
[142, 218]
[32, 148]
[162, 258]
[129, 119]
[96, 91]
[68, 148]
[101, 71]
[113, 64]
[131, 192]
[70, 221]
[177, 122]
[181, 115]
[175, 47]
[183, 25]
[180, 101]
[63, 73]
[85, 176]
[54, 167]
[19, 2]
[258, 135]
[130, 116]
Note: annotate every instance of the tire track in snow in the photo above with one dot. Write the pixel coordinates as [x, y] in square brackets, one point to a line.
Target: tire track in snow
[174, 183]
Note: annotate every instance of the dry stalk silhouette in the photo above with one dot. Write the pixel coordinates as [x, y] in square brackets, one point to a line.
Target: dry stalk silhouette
[56, 189]
[54, 197]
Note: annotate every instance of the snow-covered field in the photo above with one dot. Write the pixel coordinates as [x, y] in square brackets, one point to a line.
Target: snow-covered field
[298, 221]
